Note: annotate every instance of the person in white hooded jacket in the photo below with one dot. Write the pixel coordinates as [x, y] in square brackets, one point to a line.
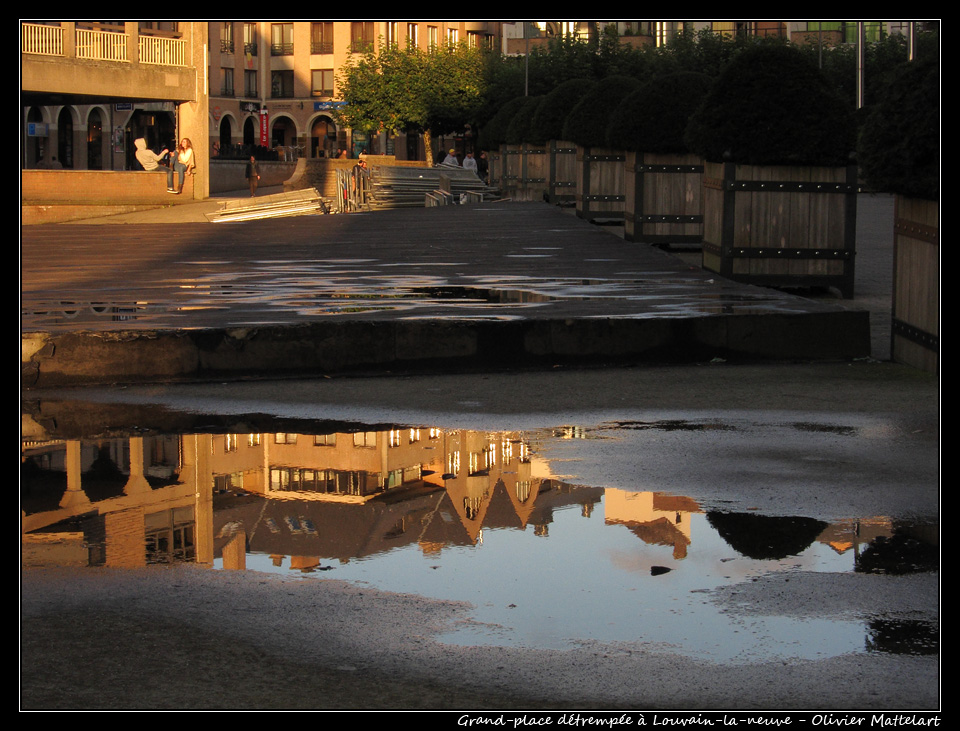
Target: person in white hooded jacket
[147, 157]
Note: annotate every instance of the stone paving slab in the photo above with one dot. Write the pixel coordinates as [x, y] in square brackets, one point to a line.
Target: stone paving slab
[461, 287]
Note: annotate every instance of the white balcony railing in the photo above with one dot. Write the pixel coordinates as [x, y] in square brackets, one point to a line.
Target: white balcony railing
[98, 45]
[163, 51]
[46, 40]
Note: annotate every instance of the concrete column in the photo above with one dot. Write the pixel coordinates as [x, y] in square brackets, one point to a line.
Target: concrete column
[69, 39]
[132, 30]
[74, 498]
[195, 114]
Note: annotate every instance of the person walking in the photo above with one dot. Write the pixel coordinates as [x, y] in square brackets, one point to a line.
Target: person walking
[253, 175]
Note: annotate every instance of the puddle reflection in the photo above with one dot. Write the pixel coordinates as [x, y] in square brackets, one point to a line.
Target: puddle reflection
[461, 515]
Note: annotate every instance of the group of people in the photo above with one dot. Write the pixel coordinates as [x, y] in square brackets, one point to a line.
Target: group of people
[182, 158]
[478, 165]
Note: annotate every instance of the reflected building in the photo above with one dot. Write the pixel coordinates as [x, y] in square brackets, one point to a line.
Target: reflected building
[122, 502]
[656, 518]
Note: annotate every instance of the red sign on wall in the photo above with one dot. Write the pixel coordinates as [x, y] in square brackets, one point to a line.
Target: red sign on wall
[264, 127]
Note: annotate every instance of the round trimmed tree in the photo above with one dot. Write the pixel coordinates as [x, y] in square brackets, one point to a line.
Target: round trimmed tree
[588, 120]
[654, 117]
[772, 106]
[899, 147]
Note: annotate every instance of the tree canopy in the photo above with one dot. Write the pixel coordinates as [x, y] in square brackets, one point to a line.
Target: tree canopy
[401, 88]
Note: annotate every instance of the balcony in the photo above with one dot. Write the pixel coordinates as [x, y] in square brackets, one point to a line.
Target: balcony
[45, 40]
[102, 45]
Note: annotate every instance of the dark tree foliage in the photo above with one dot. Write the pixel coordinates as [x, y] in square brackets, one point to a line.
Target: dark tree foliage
[899, 147]
[553, 111]
[654, 117]
[520, 127]
[772, 106]
[494, 132]
[587, 122]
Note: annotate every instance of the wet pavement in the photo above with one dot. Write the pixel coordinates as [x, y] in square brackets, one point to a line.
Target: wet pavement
[688, 537]
[709, 536]
[461, 287]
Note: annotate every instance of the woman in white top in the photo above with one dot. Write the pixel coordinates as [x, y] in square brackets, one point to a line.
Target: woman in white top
[184, 164]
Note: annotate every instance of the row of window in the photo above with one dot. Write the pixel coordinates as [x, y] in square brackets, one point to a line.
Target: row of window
[362, 35]
[281, 84]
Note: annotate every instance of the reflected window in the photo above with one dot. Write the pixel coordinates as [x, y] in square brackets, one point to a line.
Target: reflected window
[170, 536]
[365, 439]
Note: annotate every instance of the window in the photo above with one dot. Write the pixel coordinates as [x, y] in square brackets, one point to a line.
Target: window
[283, 438]
[872, 29]
[413, 35]
[361, 37]
[226, 82]
[475, 39]
[432, 38]
[253, 440]
[321, 38]
[229, 442]
[325, 440]
[453, 35]
[322, 82]
[250, 38]
[226, 37]
[250, 85]
[393, 34]
[281, 39]
[365, 439]
[281, 84]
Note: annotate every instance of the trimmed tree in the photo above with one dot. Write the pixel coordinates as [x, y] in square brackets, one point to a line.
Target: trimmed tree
[654, 117]
[899, 147]
[772, 106]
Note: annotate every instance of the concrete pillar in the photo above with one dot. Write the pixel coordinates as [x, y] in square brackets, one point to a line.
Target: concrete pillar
[194, 115]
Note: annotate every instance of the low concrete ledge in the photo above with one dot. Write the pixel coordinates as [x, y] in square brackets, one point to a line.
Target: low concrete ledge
[316, 349]
[100, 187]
[56, 196]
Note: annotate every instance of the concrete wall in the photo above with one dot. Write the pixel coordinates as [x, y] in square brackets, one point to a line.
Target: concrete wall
[230, 175]
[95, 187]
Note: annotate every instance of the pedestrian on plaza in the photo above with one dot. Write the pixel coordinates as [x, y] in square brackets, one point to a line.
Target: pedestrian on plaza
[253, 175]
[483, 166]
[360, 180]
[184, 163]
[470, 162]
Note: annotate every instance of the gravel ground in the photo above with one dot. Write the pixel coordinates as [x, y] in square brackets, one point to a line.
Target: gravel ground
[187, 637]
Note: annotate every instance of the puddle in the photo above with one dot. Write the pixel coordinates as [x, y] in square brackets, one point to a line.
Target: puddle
[482, 517]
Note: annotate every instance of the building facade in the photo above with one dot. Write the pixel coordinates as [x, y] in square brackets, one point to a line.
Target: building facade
[275, 84]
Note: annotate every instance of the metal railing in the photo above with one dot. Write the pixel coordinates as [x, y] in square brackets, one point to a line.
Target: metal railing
[98, 45]
[163, 51]
[46, 40]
